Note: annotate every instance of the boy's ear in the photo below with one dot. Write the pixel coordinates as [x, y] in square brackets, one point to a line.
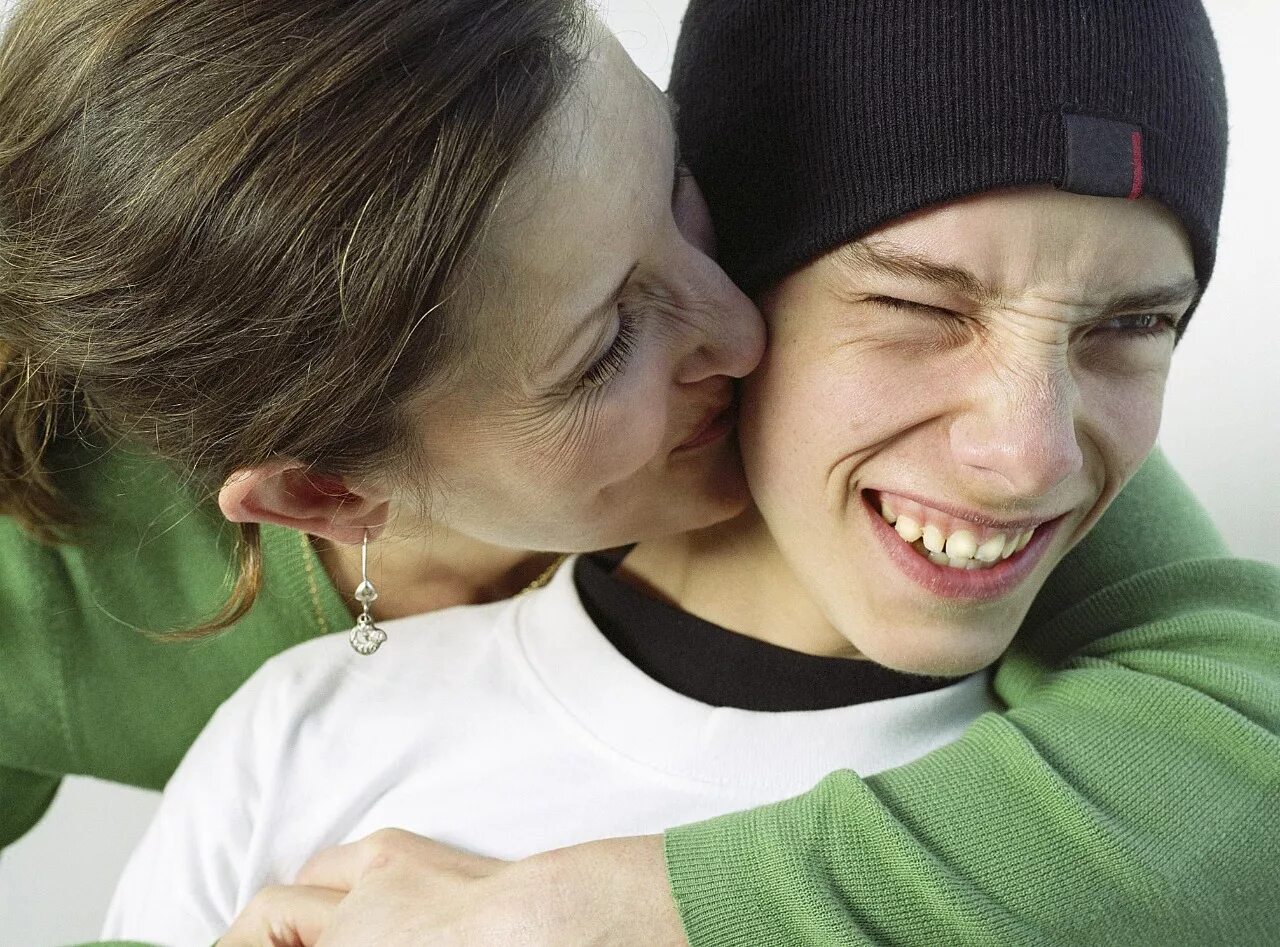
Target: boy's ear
[284, 493]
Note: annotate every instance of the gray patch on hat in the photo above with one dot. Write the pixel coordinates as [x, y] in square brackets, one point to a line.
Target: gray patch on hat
[1104, 158]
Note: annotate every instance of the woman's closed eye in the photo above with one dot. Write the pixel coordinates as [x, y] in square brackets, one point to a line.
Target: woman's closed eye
[619, 353]
[935, 326]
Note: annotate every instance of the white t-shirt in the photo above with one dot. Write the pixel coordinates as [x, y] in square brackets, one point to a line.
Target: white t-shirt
[505, 729]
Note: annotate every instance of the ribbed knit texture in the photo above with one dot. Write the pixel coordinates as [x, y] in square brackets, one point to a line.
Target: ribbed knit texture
[1129, 796]
[809, 123]
[1141, 767]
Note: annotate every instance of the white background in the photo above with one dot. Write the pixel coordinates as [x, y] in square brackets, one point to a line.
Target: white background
[1222, 431]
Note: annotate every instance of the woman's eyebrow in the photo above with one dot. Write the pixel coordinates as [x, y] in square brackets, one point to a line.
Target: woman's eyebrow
[608, 302]
[677, 165]
[555, 367]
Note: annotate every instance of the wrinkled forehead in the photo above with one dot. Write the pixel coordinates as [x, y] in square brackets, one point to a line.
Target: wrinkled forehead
[1034, 238]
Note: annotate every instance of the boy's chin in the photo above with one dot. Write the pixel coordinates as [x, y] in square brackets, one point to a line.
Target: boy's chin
[938, 651]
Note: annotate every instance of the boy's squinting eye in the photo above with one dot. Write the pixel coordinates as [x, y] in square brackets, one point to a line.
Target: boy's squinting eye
[906, 305]
[1135, 326]
[1141, 325]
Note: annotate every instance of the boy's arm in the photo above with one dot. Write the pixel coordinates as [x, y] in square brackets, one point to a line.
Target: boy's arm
[1128, 795]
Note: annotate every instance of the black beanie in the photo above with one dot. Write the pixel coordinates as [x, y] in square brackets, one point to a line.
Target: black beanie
[809, 123]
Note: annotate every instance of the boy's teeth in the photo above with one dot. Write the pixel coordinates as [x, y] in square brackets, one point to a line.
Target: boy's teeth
[934, 541]
[962, 544]
[908, 529]
[960, 550]
[990, 550]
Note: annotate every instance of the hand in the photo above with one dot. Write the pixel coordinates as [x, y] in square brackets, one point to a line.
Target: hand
[283, 916]
[408, 891]
[383, 883]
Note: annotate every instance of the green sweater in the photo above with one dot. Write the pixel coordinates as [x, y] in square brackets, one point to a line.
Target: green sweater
[1128, 795]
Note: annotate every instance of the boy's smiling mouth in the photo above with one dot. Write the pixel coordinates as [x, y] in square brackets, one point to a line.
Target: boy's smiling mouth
[949, 540]
[955, 553]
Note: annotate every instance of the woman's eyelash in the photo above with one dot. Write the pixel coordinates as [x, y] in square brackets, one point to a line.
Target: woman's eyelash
[624, 344]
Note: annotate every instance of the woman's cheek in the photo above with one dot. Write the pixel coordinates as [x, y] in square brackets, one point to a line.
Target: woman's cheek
[633, 429]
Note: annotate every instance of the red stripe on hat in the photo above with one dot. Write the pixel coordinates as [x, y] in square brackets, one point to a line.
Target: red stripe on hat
[1136, 192]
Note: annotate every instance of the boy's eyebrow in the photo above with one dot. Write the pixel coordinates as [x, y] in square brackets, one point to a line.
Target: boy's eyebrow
[897, 261]
[1161, 297]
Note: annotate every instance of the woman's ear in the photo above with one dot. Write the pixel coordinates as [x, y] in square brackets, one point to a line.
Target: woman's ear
[284, 493]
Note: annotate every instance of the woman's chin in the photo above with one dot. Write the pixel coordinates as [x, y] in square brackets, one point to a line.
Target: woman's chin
[721, 493]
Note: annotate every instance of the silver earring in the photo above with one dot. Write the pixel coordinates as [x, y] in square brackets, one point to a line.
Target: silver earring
[366, 637]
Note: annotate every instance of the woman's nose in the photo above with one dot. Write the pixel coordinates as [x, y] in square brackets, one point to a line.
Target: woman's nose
[727, 334]
[1021, 431]
[729, 331]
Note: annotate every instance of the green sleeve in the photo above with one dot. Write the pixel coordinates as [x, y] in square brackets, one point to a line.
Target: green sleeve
[33, 706]
[24, 798]
[1127, 795]
[82, 690]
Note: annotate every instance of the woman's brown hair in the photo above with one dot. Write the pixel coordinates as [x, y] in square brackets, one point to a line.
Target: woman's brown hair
[229, 232]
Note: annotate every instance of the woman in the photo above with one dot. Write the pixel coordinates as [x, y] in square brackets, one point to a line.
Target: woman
[517, 728]
[250, 309]
[146, 555]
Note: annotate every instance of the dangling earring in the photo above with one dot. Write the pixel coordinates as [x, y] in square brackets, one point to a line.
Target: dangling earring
[366, 637]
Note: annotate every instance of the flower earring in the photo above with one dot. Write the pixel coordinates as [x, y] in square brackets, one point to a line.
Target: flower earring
[366, 637]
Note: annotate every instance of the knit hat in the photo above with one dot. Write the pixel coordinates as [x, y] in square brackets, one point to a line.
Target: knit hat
[809, 123]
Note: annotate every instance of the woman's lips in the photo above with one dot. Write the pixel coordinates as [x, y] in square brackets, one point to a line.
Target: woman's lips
[946, 582]
[714, 426]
